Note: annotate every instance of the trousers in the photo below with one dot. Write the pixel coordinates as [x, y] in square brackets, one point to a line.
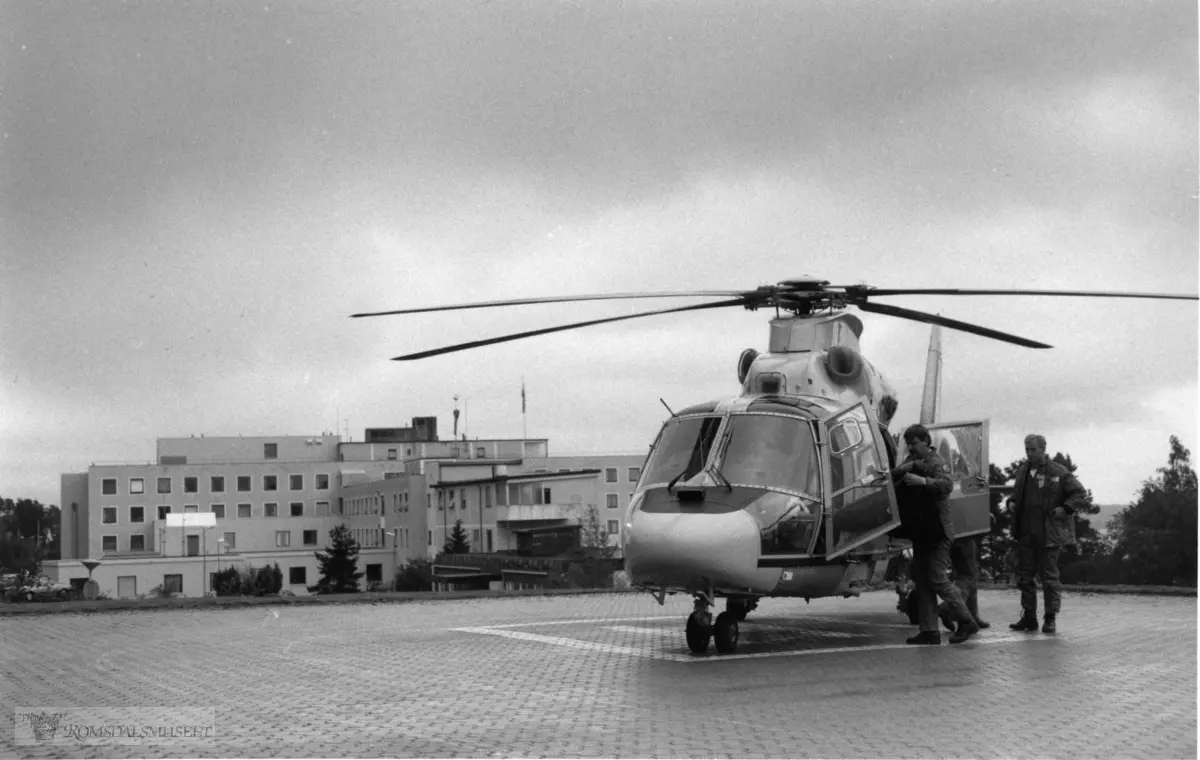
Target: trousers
[1037, 561]
[931, 576]
[964, 558]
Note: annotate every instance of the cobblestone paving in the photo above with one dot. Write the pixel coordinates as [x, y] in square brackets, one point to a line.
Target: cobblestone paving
[610, 676]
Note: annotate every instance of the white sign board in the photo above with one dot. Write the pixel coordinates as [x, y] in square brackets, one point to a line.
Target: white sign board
[192, 520]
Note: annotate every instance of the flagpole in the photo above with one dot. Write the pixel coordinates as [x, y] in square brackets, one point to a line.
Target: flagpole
[524, 424]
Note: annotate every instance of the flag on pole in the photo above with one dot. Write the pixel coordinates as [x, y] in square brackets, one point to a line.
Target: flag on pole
[522, 395]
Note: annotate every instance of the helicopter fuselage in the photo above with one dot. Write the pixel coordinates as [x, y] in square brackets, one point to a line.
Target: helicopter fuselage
[763, 495]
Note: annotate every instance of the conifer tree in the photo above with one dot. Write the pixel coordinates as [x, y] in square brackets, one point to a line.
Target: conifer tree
[339, 564]
[457, 542]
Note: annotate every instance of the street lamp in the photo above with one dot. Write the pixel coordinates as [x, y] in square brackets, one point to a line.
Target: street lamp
[395, 540]
[219, 542]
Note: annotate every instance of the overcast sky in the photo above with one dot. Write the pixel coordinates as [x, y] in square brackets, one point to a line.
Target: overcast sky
[197, 195]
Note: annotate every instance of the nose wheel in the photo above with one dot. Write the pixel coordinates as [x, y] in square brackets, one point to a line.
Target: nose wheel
[723, 632]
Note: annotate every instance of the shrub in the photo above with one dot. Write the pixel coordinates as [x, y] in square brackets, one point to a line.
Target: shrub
[415, 576]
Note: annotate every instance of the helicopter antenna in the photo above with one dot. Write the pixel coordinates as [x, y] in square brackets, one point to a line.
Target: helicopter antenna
[664, 403]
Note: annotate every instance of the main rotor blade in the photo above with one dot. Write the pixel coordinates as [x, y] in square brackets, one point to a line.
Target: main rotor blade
[560, 328]
[553, 299]
[869, 291]
[954, 324]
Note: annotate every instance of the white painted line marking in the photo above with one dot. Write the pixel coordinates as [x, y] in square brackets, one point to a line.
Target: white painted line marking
[590, 646]
[577, 622]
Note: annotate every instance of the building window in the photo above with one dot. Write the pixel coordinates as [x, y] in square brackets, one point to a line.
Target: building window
[163, 511]
[374, 573]
[230, 540]
[191, 485]
[164, 485]
[283, 538]
[109, 515]
[219, 511]
[322, 481]
[137, 543]
[108, 486]
[270, 451]
[310, 538]
[243, 483]
[137, 485]
[545, 495]
[270, 483]
[322, 509]
[297, 575]
[297, 509]
[475, 537]
[173, 584]
[610, 475]
[391, 454]
[296, 482]
[216, 484]
[243, 510]
[137, 514]
[108, 543]
[271, 509]
[610, 500]
[634, 474]
[431, 538]
[613, 527]
[190, 508]
[480, 452]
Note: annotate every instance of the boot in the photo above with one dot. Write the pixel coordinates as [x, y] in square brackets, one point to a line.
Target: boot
[1049, 626]
[946, 618]
[1028, 622]
[966, 629]
[925, 637]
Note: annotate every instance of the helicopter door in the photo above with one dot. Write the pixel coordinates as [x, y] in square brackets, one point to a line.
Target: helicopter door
[862, 504]
[963, 446]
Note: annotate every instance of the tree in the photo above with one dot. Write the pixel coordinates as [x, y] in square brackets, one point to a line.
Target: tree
[994, 547]
[28, 520]
[591, 564]
[457, 542]
[338, 564]
[1155, 537]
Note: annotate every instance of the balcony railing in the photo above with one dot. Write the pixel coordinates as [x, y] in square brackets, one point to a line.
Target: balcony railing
[536, 512]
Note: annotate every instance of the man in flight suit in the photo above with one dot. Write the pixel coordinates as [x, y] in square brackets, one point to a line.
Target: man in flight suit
[1045, 498]
[923, 487]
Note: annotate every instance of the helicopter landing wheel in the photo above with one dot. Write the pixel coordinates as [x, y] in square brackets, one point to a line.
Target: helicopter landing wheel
[725, 633]
[740, 608]
[698, 632]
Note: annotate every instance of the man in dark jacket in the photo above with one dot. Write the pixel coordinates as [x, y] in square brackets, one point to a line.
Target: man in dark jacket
[923, 486]
[1045, 498]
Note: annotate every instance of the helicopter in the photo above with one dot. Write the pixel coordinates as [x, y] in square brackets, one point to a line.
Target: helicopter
[784, 489]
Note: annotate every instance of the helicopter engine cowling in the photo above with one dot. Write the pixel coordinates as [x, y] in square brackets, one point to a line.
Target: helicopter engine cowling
[843, 364]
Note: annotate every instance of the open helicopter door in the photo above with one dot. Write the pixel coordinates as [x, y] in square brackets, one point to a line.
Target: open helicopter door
[862, 504]
[963, 446]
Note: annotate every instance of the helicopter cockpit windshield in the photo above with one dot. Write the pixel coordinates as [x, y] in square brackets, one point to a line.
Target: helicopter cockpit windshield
[682, 450]
[771, 451]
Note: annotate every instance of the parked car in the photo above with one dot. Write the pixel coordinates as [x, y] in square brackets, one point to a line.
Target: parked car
[44, 589]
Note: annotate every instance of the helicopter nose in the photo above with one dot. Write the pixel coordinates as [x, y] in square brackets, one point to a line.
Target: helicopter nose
[693, 550]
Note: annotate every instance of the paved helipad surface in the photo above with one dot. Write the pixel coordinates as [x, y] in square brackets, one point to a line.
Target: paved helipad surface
[610, 676]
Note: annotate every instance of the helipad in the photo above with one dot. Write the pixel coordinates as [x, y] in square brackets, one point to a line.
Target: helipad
[611, 676]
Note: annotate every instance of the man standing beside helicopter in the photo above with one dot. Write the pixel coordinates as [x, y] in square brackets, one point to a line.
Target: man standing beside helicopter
[923, 487]
[1045, 498]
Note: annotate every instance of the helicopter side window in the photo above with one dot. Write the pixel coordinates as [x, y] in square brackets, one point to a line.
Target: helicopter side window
[682, 449]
